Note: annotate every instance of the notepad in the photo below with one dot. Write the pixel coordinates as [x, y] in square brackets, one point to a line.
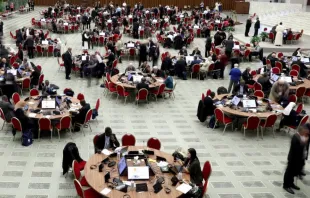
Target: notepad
[32, 115]
[106, 152]
[105, 191]
[129, 45]
[184, 188]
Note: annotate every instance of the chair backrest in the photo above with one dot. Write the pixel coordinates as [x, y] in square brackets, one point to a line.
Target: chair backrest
[280, 54]
[206, 172]
[154, 143]
[120, 90]
[88, 116]
[161, 89]
[219, 115]
[278, 65]
[97, 104]
[300, 91]
[247, 53]
[2, 115]
[294, 73]
[45, 124]
[41, 78]
[195, 68]
[78, 188]
[257, 86]
[303, 120]
[208, 92]
[34, 92]
[132, 51]
[292, 98]
[142, 94]
[253, 73]
[252, 122]
[26, 83]
[16, 124]
[296, 67]
[39, 67]
[128, 140]
[80, 96]
[299, 108]
[202, 96]
[95, 139]
[65, 122]
[276, 70]
[15, 98]
[108, 76]
[114, 64]
[76, 170]
[39, 48]
[271, 120]
[259, 93]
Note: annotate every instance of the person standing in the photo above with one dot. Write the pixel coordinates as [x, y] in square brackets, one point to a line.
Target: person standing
[208, 46]
[279, 36]
[296, 159]
[1, 27]
[68, 62]
[30, 45]
[143, 54]
[235, 75]
[256, 27]
[248, 26]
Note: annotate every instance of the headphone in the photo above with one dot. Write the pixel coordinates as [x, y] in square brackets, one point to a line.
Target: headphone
[126, 196]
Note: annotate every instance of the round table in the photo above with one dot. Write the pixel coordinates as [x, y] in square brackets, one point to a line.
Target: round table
[306, 83]
[239, 113]
[156, 81]
[96, 179]
[33, 104]
[19, 80]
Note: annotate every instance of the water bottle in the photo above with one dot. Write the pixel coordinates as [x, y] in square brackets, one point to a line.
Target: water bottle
[180, 176]
[132, 186]
[118, 155]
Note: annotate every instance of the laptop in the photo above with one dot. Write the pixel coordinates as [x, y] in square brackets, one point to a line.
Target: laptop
[249, 103]
[141, 187]
[48, 104]
[122, 165]
[138, 173]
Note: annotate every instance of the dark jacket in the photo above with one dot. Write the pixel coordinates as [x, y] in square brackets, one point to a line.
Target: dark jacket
[80, 117]
[237, 88]
[142, 85]
[257, 24]
[166, 64]
[8, 110]
[246, 76]
[143, 52]
[67, 59]
[296, 155]
[229, 45]
[99, 145]
[248, 23]
[194, 171]
[29, 42]
[201, 113]
[209, 107]
[196, 53]
[183, 52]
[70, 153]
[180, 67]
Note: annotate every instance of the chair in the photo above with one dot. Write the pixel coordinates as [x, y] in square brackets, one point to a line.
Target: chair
[34, 92]
[271, 37]
[141, 34]
[25, 84]
[257, 86]
[80, 96]
[275, 70]
[300, 92]
[203, 97]
[50, 50]
[132, 53]
[88, 193]
[95, 139]
[158, 92]
[279, 65]
[296, 67]
[60, 64]
[294, 73]
[65, 123]
[253, 73]
[222, 118]
[97, 107]
[39, 50]
[292, 98]
[86, 121]
[206, 172]
[280, 54]
[208, 92]
[299, 108]
[121, 92]
[39, 67]
[251, 123]
[15, 98]
[268, 62]
[3, 118]
[259, 93]
[110, 88]
[246, 54]
[142, 95]
[302, 122]
[269, 122]
[16, 125]
[101, 40]
[15, 65]
[154, 143]
[77, 174]
[195, 70]
[171, 92]
[128, 140]
[45, 125]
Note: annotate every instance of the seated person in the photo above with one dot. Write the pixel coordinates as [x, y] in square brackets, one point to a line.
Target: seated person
[143, 65]
[180, 68]
[291, 118]
[195, 61]
[49, 89]
[80, 117]
[240, 89]
[264, 80]
[25, 65]
[168, 81]
[4, 64]
[208, 104]
[7, 108]
[130, 68]
[183, 51]
[247, 77]
[106, 140]
[302, 66]
[280, 89]
[273, 59]
[285, 69]
[205, 66]
[257, 51]
[142, 84]
[35, 75]
[196, 52]
[157, 72]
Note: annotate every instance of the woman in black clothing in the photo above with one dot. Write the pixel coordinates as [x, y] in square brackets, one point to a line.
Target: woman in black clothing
[143, 54]
[35, 77]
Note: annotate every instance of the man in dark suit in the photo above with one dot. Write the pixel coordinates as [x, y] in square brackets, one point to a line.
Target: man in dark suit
[208, 46]
[111, 58]
[273, 59]
[183, 51]
[167, 63]
[67, 56]
[246, 76]
[208, 104]
[196, 52]
[195, 61]
[229, 45]
[256, 27]
[135, 29]
[180, 68]
[142, 84]
[80, 117]
[296, 159]
[49, 89]
[4, 64]
[30, 45]
[7, 108]
[240, 89]
[106, 140]
[248, 26]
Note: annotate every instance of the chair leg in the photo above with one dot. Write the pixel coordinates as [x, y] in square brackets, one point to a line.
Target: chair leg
[58, 135]
[243, 131]
[262, 129]
[3, 125]
[224, 129]
[214, 124]
[39, 135]
[257, 132]
[70, 132]
[90, 127]
[52, 134]
[83, 129]
[273, 132]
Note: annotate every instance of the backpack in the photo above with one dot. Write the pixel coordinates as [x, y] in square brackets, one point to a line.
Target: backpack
[222, 90]
[27, 137]
[69, 92]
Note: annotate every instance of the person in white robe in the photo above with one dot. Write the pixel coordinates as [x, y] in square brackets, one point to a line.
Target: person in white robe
[279, 35]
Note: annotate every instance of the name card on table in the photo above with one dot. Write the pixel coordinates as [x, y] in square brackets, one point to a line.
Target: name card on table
[236, 47]
[45, 42]
[130, 45]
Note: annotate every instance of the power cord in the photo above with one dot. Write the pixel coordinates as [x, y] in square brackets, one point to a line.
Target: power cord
[126, 196]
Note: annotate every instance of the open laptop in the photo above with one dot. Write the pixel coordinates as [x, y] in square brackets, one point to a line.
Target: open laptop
[122, 165]
[48, 104]
[249, 103]
[138, 173]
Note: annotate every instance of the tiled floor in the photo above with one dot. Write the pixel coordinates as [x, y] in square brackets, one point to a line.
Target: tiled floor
[241, 167]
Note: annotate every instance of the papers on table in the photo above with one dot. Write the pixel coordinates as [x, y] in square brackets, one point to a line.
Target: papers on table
[109, 21]
[106, 152]
[154, 21]
[130, 45]
[189, 58]
[305, 60]
[66, 24]
[286, 79]
[289, 108]
[105, 191]
[83, 58]
[162, 164]
[101, 34]
[235, 100]
[184, 188]
[181, 16]
[12, 71]
[32, 115]
[217, 21]
[45, 42]
[196, 27]
[160, 80]
[43, 20]
[236, 47]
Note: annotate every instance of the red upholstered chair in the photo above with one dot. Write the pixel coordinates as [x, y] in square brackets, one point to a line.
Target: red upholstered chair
[45, 125]
[25, 85]
[257, 86]
[111, 88]
[294, 73]
[97, 107]
[101, 40]
[132, 53]
[253, 73]
[3, 118]
[292, 98]
[299, 108]
[50, 50]
[60, 64]
[280, 54]
[16, 125]
[88, 193]
[259, 93]
[275, 70]
[15, 65]
[158, 92]
[15, 98]
[268, 62]
[39, 50]
[300, 92]
[202, 96]
[271, 36]
[114, 64]
[206, 172]
[128, 140]
[154, 143]
[142, 95]
[141, 34]
[95, 139]
[39, 67]
[195, 70]
[80, 96]
[296, 67]
[248, 45]
[34, 92]
[171, 92]
[41, 79]
[302, 122]
[77, 174]
[222, 118]
[86, 121]
[65, 123]
[279, 65]
[251, 123]
[268, 123]
[246, 54]
[208, 92]
[121, 92]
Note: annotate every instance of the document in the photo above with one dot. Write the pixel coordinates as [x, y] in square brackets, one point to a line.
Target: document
[184, 188]
[105, 191]
[106, 152]
[32, 115]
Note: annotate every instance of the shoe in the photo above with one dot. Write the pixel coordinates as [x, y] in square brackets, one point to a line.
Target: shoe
[302, 173]
[68, 78]
[289, 190]
[295, 187]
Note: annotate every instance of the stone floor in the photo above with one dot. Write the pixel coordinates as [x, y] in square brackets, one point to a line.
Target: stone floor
[241, 167]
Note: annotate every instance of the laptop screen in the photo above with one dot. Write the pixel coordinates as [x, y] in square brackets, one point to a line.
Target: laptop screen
[122, 165]
[48, 104]
[249, 103]
[138, 172]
